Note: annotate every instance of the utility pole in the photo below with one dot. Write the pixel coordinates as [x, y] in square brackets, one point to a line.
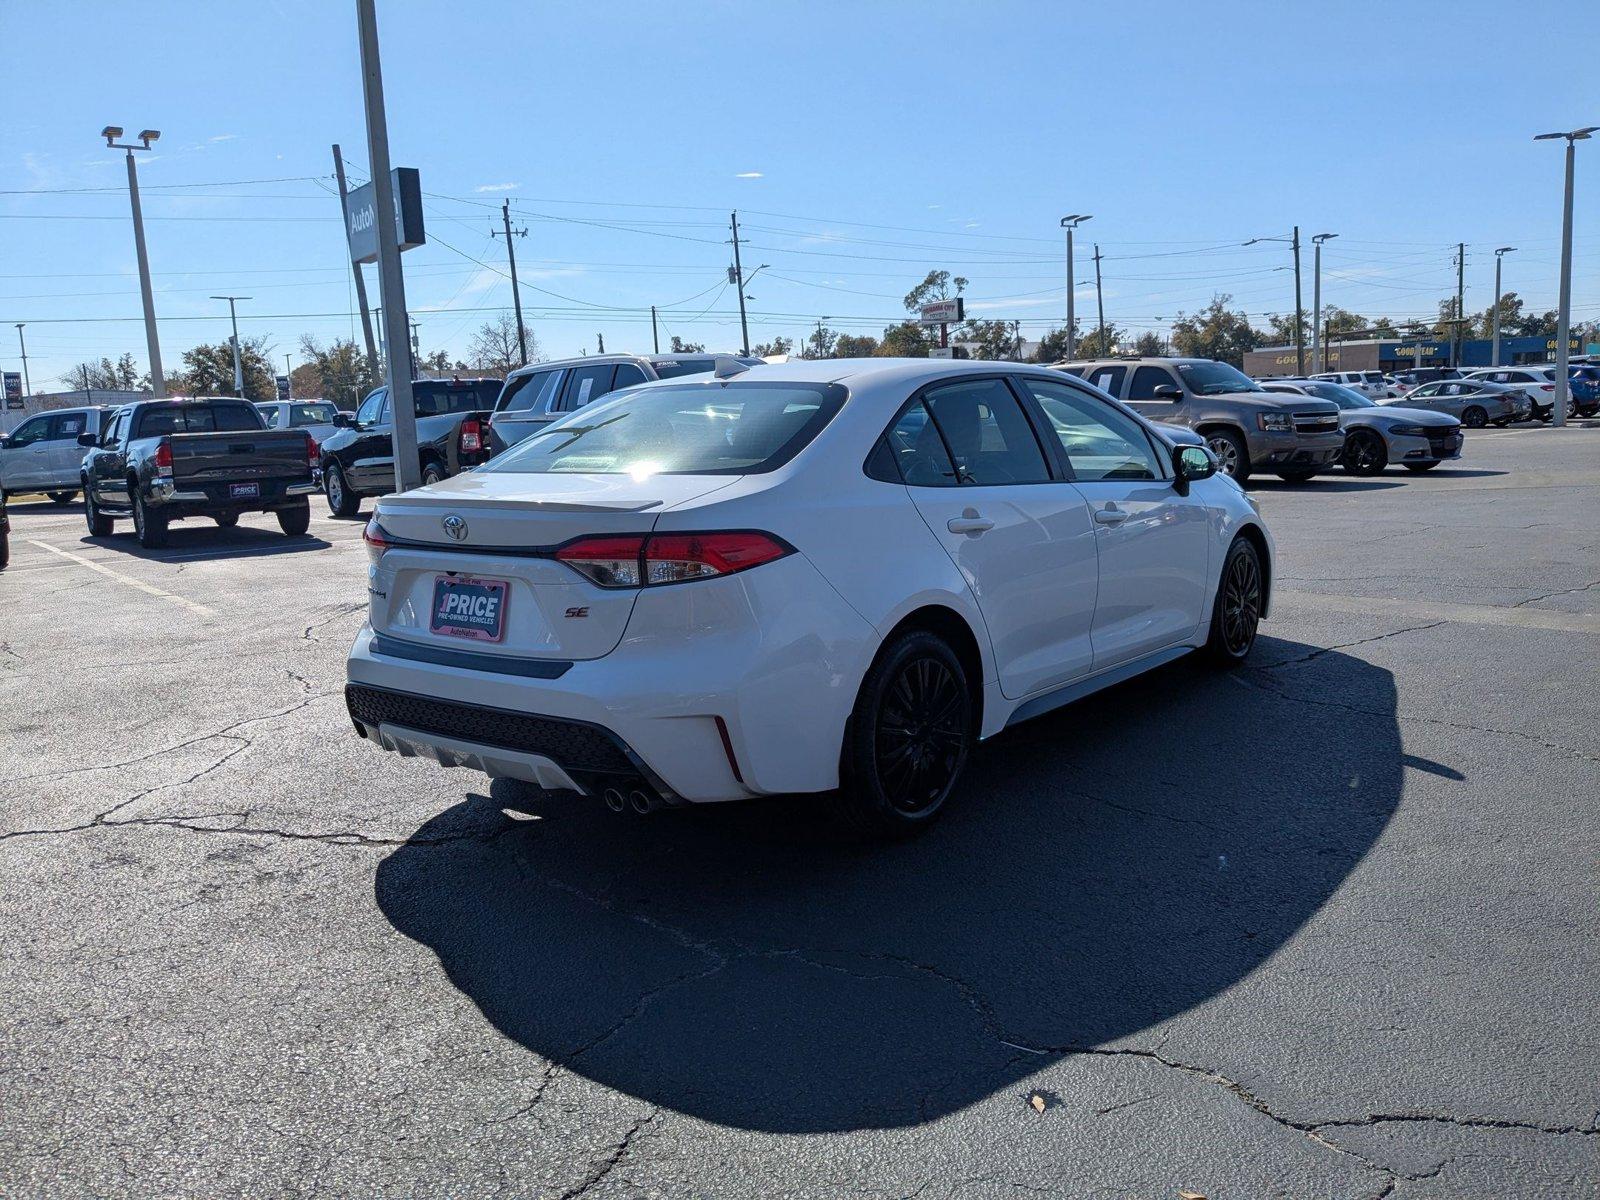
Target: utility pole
[601, 338]
[655, 337]
[1100, 303]
[1299, 311]
[1461, 301]
[1316, 301]
[288, 374]
[1069, 224]
[355, 267]
[738, 280]
[238, 365]
[158, 381]
[511, 257]
[27, 386]
[391, 282]
[1494, 353]
[1564, 313]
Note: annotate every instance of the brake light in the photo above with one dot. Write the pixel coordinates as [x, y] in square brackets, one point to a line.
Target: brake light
[313, 452]
[376, 538]
[629, 561]
[471, 436]
[164, 456]
[1547, 387]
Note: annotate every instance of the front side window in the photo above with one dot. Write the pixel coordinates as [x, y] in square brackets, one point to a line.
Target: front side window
[989, 438]
[1145, 382]
[1100, 442]
[371, 407]
[31, 431]
[734, 428]
[1215, 378]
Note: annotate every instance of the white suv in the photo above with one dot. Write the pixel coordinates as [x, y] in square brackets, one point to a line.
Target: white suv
[1370, 384]
[826, 576]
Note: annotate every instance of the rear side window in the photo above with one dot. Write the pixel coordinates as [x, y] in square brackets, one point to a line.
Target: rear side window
[1108, 379]
[270, 416]
[1145, 382]
[628, 374]
[586, 385]
[989, 438]
[689, 429]
[917, 450]
[67, 426]
[529, 392]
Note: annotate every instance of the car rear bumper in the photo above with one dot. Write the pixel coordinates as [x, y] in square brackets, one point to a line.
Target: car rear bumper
[177, 498]
[720, 689]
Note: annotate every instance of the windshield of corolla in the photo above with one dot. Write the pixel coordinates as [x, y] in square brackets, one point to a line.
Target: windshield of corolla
[1214, 378]
[694, 429]
[1344, 397]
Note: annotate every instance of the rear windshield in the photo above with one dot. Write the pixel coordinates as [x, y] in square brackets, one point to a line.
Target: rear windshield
[311, 414]
[198, 418]
[691, 429]
[432, 399]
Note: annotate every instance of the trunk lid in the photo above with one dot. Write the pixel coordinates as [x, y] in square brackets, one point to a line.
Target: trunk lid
[504, 529]
[202, 458]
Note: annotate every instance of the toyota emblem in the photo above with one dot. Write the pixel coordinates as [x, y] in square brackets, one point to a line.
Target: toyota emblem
[456, 527]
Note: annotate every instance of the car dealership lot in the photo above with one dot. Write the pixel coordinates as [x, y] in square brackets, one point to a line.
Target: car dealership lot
[1324, 927]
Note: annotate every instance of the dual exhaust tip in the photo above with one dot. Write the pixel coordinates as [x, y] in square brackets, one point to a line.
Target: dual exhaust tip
[637, 799]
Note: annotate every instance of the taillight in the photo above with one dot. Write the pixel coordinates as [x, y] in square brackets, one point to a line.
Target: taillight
[376, 538]
[628, 562]
[164, 455]
[1547, 387]
[313, 452]
[471, 436]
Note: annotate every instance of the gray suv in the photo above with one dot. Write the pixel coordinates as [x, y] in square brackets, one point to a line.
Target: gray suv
[537, 394]
[1247, 428]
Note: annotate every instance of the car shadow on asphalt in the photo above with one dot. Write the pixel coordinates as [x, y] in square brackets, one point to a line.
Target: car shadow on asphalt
[188, 544]
[1100, 870]
[1323, 483]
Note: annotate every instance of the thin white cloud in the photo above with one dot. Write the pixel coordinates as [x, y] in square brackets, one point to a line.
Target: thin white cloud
[932, 206]
[1016, 302]
[749, 175]
[497, 187]
[222, 137]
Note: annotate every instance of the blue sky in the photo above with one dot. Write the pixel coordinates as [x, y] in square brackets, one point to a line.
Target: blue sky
[862, 143]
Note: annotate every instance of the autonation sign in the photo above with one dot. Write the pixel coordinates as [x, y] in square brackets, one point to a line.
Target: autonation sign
[362, 221]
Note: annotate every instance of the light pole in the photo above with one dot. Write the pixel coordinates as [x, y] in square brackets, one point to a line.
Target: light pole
[288, 375]
[1069, 224]
[27, 387]
[1316, 300]
[1564, 315]
[238, 366]
[1299, 311]
[158, 381]
[1494, 319]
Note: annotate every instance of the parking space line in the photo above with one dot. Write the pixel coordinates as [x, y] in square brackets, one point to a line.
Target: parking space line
[1464, 614]
[149, 589]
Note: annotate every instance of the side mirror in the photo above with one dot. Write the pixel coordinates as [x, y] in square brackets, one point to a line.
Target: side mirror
[1168, 391]
[344, 420]
[1190, 463]
[88, 440]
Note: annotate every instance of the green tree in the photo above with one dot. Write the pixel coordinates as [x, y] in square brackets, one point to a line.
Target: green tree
[776, 348]
[908, 339]
[1280, 329]
[121, 375]
[495, 349]
[1093, 345]
[208, 370]
[1053, 345]
[852, 345]
[679, 346]
[936, 286]
[1216, 331]
[1149, 345]
[821, 341]
[339, 372]
[989, 339]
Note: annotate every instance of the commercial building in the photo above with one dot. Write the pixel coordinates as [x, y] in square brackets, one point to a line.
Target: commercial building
[1379, 354]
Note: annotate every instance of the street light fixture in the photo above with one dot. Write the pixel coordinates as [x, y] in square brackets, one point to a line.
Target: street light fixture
[1494, 355]
[1069, 224]
[1299, 310]
[158, 382]
[1564, 318]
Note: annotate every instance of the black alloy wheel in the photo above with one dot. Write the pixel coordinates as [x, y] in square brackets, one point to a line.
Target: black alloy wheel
[1236, 614]
[1475, 417]
[921, 736]
[1365, 453]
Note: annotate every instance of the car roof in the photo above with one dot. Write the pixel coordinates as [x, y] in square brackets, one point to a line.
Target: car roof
[1131, 360]
[913, 372]
[589, 360]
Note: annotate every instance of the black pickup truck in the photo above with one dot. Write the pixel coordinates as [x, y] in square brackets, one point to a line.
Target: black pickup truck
[452, 436]
[158, 461]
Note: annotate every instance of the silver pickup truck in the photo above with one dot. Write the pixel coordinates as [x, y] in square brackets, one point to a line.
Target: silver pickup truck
[1249, 430]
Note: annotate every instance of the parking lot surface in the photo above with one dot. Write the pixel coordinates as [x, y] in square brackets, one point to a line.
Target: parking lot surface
[1324, 927]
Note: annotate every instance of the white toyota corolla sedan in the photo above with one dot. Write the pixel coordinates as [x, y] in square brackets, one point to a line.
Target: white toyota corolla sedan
[825, 576]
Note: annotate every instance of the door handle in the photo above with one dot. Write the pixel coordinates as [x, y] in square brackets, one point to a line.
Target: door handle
[969, 522]
[1109, 516]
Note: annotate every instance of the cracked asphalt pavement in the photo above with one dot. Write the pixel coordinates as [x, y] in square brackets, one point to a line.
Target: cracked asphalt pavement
[1324, 927]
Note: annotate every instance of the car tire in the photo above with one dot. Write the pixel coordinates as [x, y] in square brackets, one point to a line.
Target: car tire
[1427, 466]
[1365, 453]
[1233, 456]
[908, 738]
[342, 502]
[149, 526]
[433, 472]
[295, 521]
[226, 520]
[99, 524]
[1236, 612]
[62, 497]
[1475, 417]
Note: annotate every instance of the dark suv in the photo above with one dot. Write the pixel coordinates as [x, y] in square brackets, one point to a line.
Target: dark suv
[452, 436]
